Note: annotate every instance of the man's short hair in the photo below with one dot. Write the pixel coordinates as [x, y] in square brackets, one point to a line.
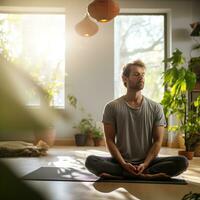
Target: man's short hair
[127, 67]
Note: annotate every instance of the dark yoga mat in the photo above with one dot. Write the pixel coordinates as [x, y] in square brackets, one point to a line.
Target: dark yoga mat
[71, 174]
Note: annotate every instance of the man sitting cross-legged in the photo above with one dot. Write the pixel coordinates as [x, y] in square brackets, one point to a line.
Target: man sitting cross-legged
[134, 128]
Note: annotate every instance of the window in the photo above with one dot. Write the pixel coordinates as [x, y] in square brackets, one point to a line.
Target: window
[141, 36]
[36, 42]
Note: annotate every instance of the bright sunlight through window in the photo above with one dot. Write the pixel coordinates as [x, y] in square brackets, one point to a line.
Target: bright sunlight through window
[36, 42]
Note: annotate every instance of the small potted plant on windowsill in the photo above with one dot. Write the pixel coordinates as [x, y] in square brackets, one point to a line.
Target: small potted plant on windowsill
[180, 80]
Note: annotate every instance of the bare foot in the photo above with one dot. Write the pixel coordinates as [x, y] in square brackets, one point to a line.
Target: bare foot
[159, 176]
[109, 176]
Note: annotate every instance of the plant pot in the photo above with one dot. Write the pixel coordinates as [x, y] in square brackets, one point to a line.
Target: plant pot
[98, 141]
[80, 139]
[188, 154]
[47, 135]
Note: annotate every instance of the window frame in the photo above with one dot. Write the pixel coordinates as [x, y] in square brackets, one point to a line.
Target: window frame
[166, 13]
[45, 11]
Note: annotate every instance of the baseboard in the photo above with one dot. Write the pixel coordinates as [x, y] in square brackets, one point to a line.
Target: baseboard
[64, 142]
[71, 142]
[57, 142]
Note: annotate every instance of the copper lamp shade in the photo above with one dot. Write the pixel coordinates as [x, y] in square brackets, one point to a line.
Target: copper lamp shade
[103, 10]
[86, 27]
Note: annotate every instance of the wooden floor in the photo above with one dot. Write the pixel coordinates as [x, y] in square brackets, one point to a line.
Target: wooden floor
[55, 190]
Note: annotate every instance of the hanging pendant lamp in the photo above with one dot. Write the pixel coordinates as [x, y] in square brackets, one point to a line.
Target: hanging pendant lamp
[86, 27]
[103, 10]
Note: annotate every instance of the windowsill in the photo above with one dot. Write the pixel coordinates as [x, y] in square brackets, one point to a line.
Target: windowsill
[62, 108]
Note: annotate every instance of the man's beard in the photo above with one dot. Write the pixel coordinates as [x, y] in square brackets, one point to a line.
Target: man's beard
[138, 86]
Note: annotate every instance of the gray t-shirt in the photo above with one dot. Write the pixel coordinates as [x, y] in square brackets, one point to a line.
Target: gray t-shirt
[133, 127]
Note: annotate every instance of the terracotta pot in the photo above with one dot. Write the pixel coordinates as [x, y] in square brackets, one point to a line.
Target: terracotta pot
[188, 154]
[98, 142]
[47, 135]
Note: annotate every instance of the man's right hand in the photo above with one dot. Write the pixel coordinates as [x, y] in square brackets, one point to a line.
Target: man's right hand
[130, 168]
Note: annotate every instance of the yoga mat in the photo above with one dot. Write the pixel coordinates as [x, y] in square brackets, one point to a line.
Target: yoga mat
[71, 174]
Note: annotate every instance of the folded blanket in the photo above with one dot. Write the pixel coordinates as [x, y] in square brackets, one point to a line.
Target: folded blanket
[22, 149]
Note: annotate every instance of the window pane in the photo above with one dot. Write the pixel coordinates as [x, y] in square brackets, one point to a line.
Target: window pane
[140, 37]
[36, 42]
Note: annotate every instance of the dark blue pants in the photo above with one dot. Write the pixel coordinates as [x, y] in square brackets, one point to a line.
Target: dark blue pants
[172, 166]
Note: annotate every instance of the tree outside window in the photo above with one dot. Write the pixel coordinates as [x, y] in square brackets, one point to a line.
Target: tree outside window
[141, 37]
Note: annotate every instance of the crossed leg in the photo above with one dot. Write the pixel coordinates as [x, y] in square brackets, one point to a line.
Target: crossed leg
[161, 167]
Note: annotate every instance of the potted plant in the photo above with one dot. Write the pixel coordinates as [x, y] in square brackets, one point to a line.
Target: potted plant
[179, 80]
[84, 127]
[193, 126]
[97, 136]
[90, 133]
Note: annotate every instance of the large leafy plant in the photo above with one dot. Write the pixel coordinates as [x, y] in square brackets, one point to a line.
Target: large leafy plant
[192, 125]
[179, 80]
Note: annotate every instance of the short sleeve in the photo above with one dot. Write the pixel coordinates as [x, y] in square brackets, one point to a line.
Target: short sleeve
[159, 116]
[109, 114]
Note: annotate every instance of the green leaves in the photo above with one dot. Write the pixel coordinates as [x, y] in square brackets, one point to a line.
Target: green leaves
[85, 125]
[97, 132]
[177, 59]
[179, 80]
[197, 103]
[190, 78]
[72, 100]
[170, 76]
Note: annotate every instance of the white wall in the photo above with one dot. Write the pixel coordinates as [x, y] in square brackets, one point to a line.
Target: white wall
[90, 61]
[196, 12]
